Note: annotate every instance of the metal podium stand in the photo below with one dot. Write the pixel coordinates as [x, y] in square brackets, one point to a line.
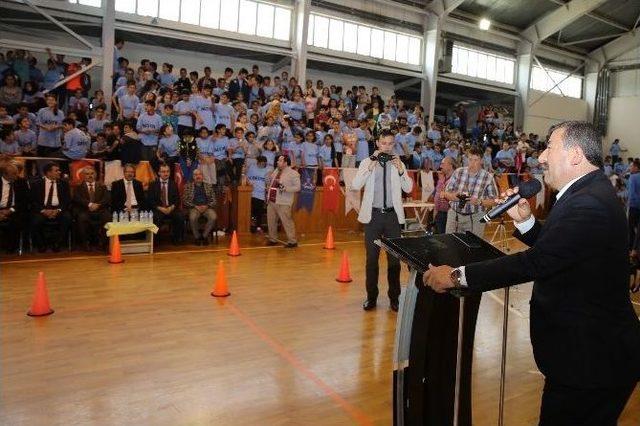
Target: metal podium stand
[434, 333]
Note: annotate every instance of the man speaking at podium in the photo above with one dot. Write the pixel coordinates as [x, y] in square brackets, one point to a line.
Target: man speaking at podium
[584, 331]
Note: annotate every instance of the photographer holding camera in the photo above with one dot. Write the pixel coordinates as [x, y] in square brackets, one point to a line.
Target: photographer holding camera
[471, 190]
[384, 178]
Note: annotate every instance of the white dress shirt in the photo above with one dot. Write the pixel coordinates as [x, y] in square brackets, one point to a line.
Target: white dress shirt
[130, 192]
[5, 202]
[47, 185]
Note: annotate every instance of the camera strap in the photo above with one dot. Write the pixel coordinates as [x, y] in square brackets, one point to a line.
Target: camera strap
[384, 185]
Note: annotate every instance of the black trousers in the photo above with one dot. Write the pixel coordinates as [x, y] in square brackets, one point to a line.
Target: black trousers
[177, 223]
[10, 231]
[257, 212]
[634, 220]
[62, 222]
[387, 225]
[90, 226]
[441, 222]
[562, 405]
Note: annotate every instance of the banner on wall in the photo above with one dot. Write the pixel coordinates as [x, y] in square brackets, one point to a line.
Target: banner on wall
[307, 189]
[351, 197]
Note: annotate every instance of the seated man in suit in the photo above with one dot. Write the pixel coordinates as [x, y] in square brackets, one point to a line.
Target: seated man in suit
[91, 206]
[164, 201]
[200, 200]
[50, 203]
[13, 205]
[127, 194]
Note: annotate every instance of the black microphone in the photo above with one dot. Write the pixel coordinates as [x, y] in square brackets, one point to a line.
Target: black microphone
[525, 190]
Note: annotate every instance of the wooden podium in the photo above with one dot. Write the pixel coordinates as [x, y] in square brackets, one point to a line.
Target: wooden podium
[433, 350]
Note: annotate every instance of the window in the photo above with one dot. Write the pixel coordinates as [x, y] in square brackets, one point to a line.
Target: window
[282, 24]
[345, 36]
[364, 40]
[247, 21]
[210, 13]
[169, 10]
[229, 15]
[190, 11]
[94, 3]
[483, 65]
[558, 82]
[264, 28]
[148, 8]
[126, 6]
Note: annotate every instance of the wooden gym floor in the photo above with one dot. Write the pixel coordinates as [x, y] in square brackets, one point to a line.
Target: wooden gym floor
[144, 343]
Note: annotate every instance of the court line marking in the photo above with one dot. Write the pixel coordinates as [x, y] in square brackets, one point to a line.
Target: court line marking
[355, 413]
[501, 302]
[58, 259]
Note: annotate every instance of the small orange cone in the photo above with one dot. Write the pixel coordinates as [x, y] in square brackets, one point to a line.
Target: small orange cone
[344, 276]
[234, 249]
[329, 244]
[116, 255]
[40, 306]
[221, 288]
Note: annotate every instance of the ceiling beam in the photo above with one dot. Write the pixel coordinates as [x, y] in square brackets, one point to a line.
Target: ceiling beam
[444, 7]
[587, 40]
[616, 48]
[598, 17]
[406, 83]
[558, 19]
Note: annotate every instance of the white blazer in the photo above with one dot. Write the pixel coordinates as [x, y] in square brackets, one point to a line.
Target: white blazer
[366, 178]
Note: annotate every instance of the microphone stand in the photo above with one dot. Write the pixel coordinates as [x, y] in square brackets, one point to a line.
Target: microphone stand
[501, 234]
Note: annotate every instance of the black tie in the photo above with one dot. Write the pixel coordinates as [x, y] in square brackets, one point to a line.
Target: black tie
[384, 186]
[164, 195]
[49, 202]
[91, 193]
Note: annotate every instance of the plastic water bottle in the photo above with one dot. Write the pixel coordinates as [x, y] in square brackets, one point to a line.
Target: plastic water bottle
[150, 216]
[114, 218]
[143, 216]
[121, 217]
[135, 216]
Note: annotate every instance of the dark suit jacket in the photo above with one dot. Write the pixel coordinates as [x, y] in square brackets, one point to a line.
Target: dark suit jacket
[234, 89]
[81, 197]
[119, 195]
[21, 195]
[38, 190]
[155, 196]
[584, 331]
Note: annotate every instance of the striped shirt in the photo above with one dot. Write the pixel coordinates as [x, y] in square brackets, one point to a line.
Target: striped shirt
[480, 185]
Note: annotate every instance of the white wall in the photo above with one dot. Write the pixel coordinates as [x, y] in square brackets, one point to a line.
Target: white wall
[550, 110]
[624, 112]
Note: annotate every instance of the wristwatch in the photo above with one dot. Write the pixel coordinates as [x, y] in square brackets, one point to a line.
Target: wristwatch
[456, 278]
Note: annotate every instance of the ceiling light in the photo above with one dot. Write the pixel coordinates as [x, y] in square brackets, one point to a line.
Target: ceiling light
[484, 24]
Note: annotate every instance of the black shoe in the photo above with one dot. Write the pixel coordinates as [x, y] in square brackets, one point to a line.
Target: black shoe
[272, 243]
[291, 245]
[369, 305]
[394, 306]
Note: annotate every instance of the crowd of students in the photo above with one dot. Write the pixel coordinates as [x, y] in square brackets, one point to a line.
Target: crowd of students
[222, 125]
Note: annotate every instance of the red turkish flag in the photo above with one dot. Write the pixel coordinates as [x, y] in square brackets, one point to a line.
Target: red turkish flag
[331, 189]
[178, 178]
[75, 171]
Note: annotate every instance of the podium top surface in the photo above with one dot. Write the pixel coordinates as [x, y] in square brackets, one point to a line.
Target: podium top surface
[455, 249]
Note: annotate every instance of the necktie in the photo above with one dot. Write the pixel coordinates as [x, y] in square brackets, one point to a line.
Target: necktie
[165, 202]
[49, 201]
[128, 201]
[92, 193]
[384, 186]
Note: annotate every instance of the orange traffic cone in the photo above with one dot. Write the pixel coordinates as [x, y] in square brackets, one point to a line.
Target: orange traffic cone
[40, 306]
[220, 288]
[234, 249]
[344, 276]
[329, 244]
[116, 255]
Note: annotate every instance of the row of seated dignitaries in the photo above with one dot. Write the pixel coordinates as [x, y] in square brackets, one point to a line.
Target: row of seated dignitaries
[47, 208]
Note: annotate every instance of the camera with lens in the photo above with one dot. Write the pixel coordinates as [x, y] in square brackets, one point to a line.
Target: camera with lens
[463, 198]
[381, 158]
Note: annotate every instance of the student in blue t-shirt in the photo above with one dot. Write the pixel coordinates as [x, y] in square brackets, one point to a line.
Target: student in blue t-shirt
[269, 151]
[221, 153]
[223, 111]
[309, 155]
[8, 144]
[295, 150]
[128, 103]
[184, 110]
[237, 151]
[327, 152]
[362, 150]
[167, 79]
[25, 137]
[76, 142]
[148, 127]
[168, 147]
[256, 177]
[295, 108]
[49, 121]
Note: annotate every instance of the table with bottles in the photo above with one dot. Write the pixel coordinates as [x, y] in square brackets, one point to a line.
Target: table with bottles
[134, 222]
